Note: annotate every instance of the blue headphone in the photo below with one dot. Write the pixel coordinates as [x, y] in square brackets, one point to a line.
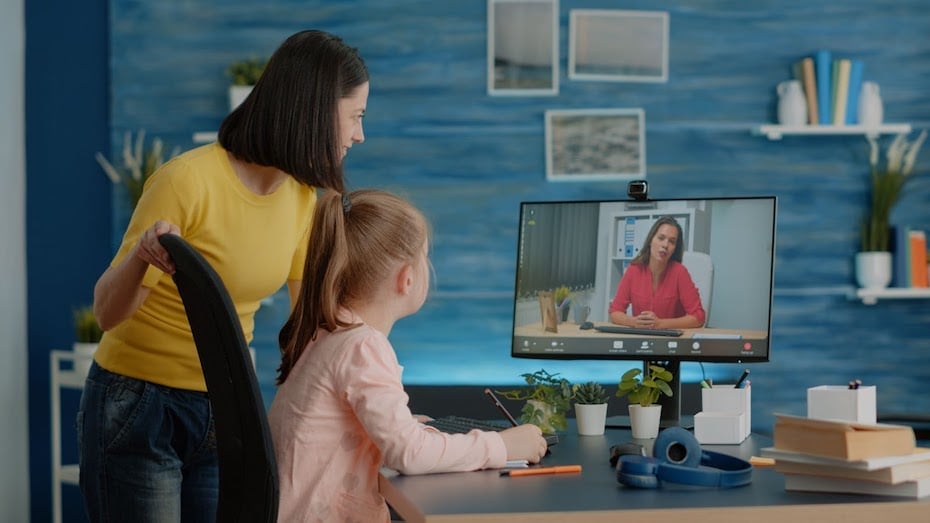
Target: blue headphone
[678, 458]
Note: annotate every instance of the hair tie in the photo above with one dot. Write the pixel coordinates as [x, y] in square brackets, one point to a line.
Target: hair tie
[346, 204]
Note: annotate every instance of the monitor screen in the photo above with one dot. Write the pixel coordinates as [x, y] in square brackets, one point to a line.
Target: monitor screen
[684, 279]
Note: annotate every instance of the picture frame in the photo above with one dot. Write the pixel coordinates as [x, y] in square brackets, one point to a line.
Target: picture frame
[595, 144]
[523, 47]
[550, 321]
[618, 45]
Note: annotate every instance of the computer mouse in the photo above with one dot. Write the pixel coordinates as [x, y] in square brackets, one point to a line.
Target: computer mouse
[586, 325]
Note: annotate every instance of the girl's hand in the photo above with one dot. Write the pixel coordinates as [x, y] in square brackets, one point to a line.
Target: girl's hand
[524, 442]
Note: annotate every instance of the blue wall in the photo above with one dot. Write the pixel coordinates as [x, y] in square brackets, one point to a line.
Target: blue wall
[468, 159]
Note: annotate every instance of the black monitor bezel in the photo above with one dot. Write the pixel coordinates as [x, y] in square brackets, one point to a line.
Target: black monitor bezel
[685, 355]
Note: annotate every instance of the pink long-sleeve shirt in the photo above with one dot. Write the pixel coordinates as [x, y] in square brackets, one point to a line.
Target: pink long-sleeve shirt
[341, 415]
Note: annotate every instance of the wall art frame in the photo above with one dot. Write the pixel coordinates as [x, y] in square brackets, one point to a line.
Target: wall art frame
[523, 47]
[618, 45]
[595, 144]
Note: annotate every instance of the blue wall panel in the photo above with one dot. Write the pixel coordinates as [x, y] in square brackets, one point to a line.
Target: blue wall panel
[468, 159]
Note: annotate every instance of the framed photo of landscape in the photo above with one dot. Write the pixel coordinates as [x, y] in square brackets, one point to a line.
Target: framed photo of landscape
[523, 47]
[617, 45]
[595, 144]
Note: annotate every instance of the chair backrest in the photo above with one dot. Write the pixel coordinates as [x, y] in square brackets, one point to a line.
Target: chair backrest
[701, 267]
[248, 486]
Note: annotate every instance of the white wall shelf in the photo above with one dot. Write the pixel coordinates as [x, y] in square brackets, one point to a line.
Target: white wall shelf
[871, 296]
[776, 132]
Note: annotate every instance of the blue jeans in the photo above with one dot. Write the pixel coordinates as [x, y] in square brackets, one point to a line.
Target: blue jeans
[147, 452]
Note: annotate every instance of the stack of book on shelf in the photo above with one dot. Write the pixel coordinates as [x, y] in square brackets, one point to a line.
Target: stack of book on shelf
[910, 257]
[818, 455]
[831, 87]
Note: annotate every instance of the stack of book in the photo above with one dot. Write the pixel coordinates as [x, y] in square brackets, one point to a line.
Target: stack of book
[910, 257]
[836, 456]
[831, 87]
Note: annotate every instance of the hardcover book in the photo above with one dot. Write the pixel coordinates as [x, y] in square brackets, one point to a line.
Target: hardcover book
[891, 475]
[840, 439]
[908, 489]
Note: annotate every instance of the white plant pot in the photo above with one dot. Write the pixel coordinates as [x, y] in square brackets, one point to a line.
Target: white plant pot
[591, 419]
[873, 269]
[238, 94]
[83, 356]
[547, 411]
[644, 421]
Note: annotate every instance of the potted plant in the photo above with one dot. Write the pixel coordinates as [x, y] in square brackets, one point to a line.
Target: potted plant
[562, 296]
[87, 334]
[590, 408]
[887, 179]
[642, 390]
[243, 75]
[547, 400]
[138, 164]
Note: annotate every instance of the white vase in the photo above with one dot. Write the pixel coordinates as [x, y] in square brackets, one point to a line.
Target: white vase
[644, 421]
[591, 419]
[873, 269]
[238, 94]
[870, 109]
[83, 356]
[792, 107]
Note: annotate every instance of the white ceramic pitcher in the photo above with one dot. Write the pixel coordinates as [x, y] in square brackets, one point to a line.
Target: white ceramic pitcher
[792, 107]
[870, 108]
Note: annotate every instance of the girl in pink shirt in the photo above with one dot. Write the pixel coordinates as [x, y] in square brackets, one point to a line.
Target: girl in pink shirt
[658, 286]
[341, 412]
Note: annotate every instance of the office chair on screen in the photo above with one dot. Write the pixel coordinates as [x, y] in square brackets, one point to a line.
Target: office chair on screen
[248, 487]
[701, 268]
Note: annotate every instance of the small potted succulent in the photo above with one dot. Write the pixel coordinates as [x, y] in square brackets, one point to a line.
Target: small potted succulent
[547, 400]
[643, 390]
[87, 334]
[590, 408]
[243, 75]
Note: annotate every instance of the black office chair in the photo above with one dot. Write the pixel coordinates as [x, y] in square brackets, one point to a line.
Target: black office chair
[248, 489]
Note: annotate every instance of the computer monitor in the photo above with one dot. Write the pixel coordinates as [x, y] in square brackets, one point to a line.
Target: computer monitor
[585, 248]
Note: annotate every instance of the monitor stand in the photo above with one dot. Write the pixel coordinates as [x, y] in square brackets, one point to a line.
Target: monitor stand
[671, 406]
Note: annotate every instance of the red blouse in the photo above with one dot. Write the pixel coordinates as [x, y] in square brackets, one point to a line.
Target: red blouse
[675, 296]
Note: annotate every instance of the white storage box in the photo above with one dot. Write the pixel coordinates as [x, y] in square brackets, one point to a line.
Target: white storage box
[839, 402]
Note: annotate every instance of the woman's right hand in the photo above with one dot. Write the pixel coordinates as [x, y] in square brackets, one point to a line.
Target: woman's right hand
[524, 442]
[150, 250]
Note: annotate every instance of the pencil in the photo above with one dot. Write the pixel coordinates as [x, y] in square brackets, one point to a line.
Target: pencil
[562, 469]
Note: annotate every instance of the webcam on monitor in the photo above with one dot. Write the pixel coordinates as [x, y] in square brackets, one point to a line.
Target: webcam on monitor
[638, 190]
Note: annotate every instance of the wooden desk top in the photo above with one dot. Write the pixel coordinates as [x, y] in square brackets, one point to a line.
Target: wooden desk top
[595, 496]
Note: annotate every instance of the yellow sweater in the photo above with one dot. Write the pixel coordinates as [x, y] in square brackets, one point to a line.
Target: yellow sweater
[254, 242]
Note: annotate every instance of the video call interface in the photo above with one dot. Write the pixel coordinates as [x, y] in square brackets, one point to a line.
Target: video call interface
[572, 256]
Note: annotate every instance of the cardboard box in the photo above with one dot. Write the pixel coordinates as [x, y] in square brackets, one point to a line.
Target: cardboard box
[839, 402]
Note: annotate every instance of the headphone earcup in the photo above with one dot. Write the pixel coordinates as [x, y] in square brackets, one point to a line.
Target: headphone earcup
[637, 471]
[677, 446]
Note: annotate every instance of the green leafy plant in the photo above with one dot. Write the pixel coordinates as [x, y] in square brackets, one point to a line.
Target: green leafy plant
[589, 393]
[561, 294]
[246, 72]
[645, 389]
[86, 329]
[138, 163]
[887, 180]
[546, 388]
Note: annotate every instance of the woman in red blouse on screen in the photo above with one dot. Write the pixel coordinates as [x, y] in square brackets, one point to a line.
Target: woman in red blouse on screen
[658, 286]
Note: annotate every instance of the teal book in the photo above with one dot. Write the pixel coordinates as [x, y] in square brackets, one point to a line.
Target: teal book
[855, 85]
[901, 256]
[823, 66]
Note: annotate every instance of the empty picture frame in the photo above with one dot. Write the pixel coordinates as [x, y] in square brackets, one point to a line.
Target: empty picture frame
[523, 47]
[595, 144]
[616, 45]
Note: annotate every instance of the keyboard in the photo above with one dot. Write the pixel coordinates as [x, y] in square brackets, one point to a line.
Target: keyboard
[617, 329]
[462, 425]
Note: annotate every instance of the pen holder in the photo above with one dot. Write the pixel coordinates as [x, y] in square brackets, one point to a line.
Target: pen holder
[725, 417]
[839, 402]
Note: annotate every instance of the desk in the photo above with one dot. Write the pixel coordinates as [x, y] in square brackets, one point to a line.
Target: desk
[595, 496]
